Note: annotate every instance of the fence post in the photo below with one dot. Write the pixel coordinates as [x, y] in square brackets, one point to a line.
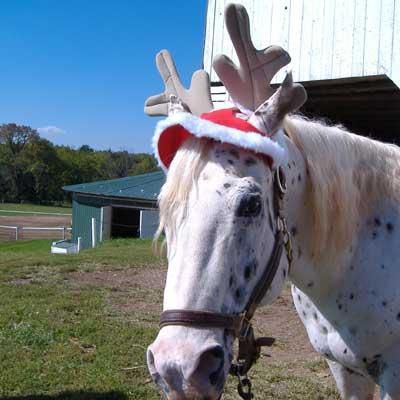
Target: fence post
[63, 232]
[17, 232]
[94, 232]
[79, 244]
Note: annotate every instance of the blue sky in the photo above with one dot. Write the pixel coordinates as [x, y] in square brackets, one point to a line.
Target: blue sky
[81, 70]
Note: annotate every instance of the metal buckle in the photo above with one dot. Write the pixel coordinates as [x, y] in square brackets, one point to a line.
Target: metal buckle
[281, 180]
[244, 327]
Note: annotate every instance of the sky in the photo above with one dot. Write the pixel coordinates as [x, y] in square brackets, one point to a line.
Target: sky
[80, 71]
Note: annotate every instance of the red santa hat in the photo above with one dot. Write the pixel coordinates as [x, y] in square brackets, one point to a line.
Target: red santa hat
[222, 125]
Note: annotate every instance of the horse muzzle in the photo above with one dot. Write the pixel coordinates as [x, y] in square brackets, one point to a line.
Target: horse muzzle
[187, 370]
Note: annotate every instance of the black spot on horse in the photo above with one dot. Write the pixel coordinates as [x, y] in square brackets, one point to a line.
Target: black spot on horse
[231, 281]
[299, 252]
[384, 303]
[284, 273]
[219, 193]
[310, 284]
[383, 266]
[299, 177]
[374, 235]
[315, 316]
[293, 231]
[227, 185]
[398, 317]
[293, 181]
[353, 331]
[375, 368]
[234, 153]
[325, 330]
[389, 227]
[345, 351]
[339, 306]
[239, 293]
[304, 314]
[351, 297]
[231, 162]
[377, 222]
[299, 298]
[249, 161]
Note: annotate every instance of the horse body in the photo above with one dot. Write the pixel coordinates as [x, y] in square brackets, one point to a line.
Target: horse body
[348, 298]
[350, 303]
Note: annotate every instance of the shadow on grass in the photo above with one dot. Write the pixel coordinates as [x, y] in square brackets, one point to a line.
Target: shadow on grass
[79, 395]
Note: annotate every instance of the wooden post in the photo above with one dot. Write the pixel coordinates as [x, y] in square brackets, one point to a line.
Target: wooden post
[64, 232]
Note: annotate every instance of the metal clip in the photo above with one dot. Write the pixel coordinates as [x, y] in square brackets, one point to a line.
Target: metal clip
[244, 387]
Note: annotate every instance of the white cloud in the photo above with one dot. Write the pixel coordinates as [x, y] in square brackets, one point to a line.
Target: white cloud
[50, 131]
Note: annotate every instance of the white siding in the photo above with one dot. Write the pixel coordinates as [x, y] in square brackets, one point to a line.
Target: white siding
[148, 223]
[326, 38]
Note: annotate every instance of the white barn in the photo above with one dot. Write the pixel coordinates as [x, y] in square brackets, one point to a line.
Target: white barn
[345, 52]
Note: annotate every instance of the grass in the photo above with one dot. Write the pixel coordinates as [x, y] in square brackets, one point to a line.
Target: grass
[63, 339]
[8, 208]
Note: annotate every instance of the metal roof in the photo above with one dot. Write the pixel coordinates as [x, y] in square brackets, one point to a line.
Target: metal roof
[145, 187]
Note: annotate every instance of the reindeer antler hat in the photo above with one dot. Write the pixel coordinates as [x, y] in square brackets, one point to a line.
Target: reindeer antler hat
[254, 121]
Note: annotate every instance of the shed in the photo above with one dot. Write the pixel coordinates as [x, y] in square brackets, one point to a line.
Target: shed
[346, 53]
[125, 207]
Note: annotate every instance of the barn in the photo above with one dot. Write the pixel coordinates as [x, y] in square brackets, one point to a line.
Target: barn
[125, 207]
[346, 53]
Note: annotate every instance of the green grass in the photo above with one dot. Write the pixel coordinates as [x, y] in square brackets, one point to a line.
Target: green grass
[31, 208]
[60, 339]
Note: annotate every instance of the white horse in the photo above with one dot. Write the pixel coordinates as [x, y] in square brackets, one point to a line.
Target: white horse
[342, 207]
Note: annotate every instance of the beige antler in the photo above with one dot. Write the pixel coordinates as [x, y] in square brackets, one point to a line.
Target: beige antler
[288, 98]
[197, 99]
[248, 85]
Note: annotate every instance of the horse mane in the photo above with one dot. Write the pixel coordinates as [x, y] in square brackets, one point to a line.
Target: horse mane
[349, 174]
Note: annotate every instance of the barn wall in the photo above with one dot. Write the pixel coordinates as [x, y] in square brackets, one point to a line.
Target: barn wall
[82, 213]
[326, 39]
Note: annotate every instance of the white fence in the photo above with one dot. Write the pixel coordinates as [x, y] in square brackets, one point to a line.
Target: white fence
[8, 232]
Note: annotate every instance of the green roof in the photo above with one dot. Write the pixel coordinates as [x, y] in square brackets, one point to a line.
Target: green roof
[144, 187]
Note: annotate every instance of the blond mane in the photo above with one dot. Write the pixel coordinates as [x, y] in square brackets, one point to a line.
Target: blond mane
[348, 173]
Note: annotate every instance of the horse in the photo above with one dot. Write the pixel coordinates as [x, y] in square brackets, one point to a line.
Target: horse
[222, 209]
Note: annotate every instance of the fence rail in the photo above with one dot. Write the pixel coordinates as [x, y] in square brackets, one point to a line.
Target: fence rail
[10, 232]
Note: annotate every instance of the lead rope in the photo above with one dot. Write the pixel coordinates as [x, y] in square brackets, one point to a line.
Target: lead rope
[250, 347]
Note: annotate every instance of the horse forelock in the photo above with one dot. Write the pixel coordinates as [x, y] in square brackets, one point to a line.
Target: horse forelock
[349, 174]
[182, 175]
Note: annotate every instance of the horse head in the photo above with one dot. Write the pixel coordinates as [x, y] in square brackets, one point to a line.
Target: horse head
[220, 211]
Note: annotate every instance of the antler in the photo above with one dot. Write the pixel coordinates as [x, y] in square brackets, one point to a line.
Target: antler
[197, 99]
[288, 98]
[248, 85]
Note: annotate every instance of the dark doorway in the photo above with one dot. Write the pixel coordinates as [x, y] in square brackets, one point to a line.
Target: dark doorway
[125, 222]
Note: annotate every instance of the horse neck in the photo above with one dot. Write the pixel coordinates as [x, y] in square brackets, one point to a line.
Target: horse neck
[305, 272]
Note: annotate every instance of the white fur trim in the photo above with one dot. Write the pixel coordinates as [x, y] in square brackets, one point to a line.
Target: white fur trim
[199, 127]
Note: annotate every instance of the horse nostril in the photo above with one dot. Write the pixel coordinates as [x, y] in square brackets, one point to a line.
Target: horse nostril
[150, 362]
[210, 368]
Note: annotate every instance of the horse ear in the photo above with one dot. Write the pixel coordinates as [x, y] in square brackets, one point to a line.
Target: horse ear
[288, 98]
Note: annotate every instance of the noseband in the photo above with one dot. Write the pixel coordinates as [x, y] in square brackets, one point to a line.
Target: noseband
[240, 325]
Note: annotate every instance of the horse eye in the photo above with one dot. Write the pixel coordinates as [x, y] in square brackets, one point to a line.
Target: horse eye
[250, 206]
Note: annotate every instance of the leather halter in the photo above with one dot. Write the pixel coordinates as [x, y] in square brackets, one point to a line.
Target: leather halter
[240, 325]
